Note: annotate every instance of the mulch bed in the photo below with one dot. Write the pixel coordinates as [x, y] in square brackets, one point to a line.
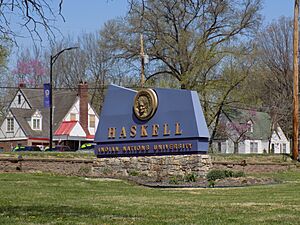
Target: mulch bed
[203, 183]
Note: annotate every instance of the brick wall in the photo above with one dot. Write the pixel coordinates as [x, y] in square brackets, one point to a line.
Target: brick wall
[9, 145]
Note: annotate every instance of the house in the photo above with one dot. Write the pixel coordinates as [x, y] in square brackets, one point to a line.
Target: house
[27, 121]
[247, 131]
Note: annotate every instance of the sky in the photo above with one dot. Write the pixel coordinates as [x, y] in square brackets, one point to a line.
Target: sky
[90, 15]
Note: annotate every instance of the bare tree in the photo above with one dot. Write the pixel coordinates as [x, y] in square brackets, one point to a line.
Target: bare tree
[275, 45]
[185, 39]
[32, 15]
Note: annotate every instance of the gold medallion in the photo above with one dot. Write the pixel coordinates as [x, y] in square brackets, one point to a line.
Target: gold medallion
[145, 104]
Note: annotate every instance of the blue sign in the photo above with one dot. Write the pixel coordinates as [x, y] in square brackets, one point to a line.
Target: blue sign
[151, 122]
[47, 99]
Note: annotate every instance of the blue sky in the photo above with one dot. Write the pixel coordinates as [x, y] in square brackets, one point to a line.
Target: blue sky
[90, 15]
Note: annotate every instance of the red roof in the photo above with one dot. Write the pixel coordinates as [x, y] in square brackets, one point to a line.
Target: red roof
[90, 136]
[65, 128]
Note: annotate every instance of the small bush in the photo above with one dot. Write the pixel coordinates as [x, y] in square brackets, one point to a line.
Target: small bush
[133, 173]
[228, 173]
[239, 174]
[191, 177]
[174, 180]
[215, 174]
[211, 183]
[84, 170]
[221, 174]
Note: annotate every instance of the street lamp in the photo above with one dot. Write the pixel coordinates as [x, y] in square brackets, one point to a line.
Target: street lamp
[53, 59]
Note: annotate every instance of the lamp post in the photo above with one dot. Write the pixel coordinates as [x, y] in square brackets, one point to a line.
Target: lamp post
[53, 59]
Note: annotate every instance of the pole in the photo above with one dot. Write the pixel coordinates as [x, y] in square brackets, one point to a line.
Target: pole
[51, 107]
[52, 61]
[142, 61]
[296, 81]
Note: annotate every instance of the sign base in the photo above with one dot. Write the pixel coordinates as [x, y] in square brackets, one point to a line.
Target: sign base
[153, 166]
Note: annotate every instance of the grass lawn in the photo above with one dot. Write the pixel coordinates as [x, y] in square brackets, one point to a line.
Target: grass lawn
[51, 199]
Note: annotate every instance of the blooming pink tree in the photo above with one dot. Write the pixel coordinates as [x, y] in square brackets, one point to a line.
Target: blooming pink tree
[239, 128]
[30, 72]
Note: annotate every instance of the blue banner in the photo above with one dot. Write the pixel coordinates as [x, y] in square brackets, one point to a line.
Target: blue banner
[47, 99]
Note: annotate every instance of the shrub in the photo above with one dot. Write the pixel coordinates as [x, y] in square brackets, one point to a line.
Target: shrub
[133, 173]
[228, 173]
[191, 177]
[221, 174]
[215, 174]
[211, 183]
[173, 180]
[239, 174]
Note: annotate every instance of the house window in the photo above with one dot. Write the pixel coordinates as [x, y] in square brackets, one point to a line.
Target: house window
[10, 124]
[72, 117]
[284, 148]
[92, 121]
[253, 147]
[36, 123]
[250, 126]
[19, 99]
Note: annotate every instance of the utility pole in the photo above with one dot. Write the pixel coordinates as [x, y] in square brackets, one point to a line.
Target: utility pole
[296, 81]
[142, 61]
[52, 61]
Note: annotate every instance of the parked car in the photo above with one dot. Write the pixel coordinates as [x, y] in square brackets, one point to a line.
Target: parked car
[87, 146]
[26, 148]
[58, 148]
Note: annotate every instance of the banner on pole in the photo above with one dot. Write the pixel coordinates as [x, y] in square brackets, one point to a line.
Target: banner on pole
[47, 99]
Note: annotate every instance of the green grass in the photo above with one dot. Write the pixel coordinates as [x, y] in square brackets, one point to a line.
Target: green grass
[68, 155]
[49, 199]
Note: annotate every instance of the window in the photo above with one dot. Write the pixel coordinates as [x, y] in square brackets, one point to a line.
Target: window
[36, 123]
[250, 126]
[72, 117]
[10, 124]
[19, 99]
[253, 147]
[284, 148]
[92, 121]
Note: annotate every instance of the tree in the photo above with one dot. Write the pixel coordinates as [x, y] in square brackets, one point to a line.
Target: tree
[28, 14]
[275, 54]
[30, 72]
[198, 43]
[90, 63]
[185, 39]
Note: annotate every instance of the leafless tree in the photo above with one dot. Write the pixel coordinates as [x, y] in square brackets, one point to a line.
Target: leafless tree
[32, 15]
[275, 45]
[185, 39]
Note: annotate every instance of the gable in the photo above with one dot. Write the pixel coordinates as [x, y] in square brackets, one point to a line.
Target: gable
[70, 128]
[75, 110]
[17, 132]
[20, 101]
[237, 121]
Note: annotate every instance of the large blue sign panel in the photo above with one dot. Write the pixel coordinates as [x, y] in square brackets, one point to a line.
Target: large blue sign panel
[150, 122]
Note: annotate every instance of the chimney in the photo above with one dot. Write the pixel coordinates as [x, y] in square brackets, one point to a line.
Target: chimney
[22, 85]
[83, 105]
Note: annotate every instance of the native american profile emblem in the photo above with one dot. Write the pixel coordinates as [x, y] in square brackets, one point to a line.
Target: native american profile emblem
[145, 104]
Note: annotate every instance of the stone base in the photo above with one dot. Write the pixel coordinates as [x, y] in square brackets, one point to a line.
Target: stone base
[153, 166]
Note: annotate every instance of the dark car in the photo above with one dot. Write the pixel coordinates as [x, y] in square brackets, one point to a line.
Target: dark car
[58, 148]
[27, 148]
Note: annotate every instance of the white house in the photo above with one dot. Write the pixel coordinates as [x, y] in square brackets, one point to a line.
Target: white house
[27, 121]
[246, 131]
